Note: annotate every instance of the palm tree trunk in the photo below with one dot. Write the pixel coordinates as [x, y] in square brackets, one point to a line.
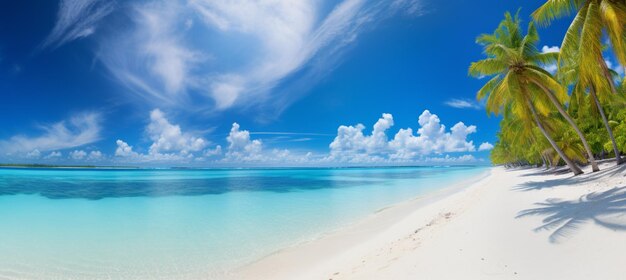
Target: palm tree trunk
[543, 159]
[559, 107]
[618, 158]
[572, 166]
[549, 162]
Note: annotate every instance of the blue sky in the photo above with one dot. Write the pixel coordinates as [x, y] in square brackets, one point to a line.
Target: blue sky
[248, 83]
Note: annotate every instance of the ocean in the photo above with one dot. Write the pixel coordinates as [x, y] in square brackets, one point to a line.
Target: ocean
[185, 223]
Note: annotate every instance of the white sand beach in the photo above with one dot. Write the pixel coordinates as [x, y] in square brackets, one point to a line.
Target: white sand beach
[513, 224]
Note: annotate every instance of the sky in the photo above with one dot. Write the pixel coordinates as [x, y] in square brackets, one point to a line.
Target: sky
[247, 83]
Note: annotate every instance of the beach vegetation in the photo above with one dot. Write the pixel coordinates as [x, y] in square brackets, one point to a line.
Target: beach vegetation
[574, 116]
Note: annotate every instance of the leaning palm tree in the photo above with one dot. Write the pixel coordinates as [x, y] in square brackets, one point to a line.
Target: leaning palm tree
[522, 139]
[569, 74]
[519, 83]
[582, 45]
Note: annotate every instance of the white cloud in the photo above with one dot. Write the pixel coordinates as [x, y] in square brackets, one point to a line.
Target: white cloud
[79, 130]
[350, 142]
[124, 150]
[95, 155]
[33, 154]
[432, 137]
[548, 49]
[351, 145]
[447, 159]
[241, 147]
[462, 104]
[251, 46]
[485, 146]
[217, 151]
[169, 138]
[169, 143]
[53, 155]
[550, 67]
[78, 154]
[77, 19]
[151, 58]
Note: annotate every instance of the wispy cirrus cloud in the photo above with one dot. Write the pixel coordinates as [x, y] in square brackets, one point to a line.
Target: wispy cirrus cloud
[79, 130]
[224, 54]
[76, 19]
[463, 104]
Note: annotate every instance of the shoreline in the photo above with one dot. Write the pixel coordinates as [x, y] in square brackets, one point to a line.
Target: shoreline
[524, 223]
[350, 235]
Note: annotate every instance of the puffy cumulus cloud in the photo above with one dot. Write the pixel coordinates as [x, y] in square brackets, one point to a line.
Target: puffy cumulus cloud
[169, 138]
[124, 150]
[53, 155]
[241, 147]
[95, 155]
[485, 146]
[77, 19]
[548, 49]
[169, 143]
[352, 145]
[33, 154]
[78, 154]
[431, 137]
[79, 130]
[217, 151]
[160, 59]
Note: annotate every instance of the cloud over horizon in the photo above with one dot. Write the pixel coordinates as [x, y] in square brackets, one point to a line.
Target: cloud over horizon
[351, 145]
[432, 143]
[169, 143]
[81, 129]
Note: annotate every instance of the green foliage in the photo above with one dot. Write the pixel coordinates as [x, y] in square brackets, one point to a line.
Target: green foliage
[593, 87]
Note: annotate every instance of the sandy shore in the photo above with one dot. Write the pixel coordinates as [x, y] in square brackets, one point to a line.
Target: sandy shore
[513, 224]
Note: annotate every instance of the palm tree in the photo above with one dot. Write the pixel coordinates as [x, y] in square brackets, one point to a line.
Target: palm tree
[518, 81]
[521, 141]
[569, 74]
[582, 45]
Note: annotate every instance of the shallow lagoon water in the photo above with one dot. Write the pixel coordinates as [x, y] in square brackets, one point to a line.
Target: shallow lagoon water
[171, 224]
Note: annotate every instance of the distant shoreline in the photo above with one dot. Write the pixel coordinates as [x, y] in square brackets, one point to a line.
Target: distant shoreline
[54, 166]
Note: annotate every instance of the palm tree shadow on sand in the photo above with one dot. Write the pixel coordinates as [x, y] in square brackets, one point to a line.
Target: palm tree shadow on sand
[565, 217]
[612, 171]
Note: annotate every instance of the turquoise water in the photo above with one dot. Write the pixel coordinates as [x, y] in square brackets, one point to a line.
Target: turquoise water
[171, 224]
